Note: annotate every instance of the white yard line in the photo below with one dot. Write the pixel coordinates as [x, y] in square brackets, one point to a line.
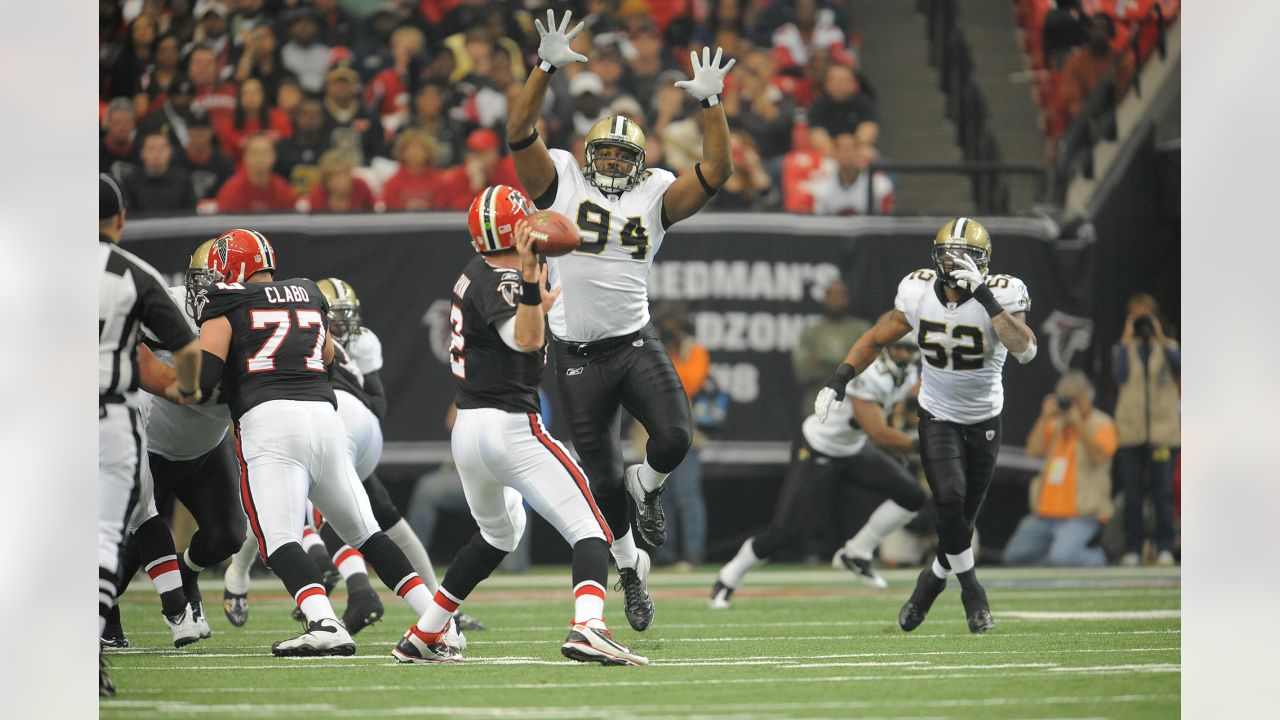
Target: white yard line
[1094, 615]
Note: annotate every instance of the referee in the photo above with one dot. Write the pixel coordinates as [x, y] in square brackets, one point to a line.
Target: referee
[131, 295]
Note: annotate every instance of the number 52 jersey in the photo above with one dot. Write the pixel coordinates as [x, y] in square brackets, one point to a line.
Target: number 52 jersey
[277, 341]
[961, 353]
[605, 283]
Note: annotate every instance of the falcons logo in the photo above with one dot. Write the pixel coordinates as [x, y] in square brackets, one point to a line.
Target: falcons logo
[1067, 334]
[222, 247]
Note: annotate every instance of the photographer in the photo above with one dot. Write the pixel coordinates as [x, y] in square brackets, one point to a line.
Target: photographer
[1147, 364]
[1071, 497]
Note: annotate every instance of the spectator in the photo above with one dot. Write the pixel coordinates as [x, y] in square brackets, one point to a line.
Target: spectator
[1147, 365]
[749, 187]
[813, 32]
[338, 189]
[588, 99]
[298, 157]
[211, 94]
[154, 84]
[416, 185]
[260, 59]
[304, 54]
[255, 188]
[1071, 496]
[430, 115]
[159, 185]
[174, 114]
[117, 152]
[1065, 28]
[350, 126]
[288, 95]
[209, 167]
[842, 107]
[211, 32]
[373, 45]
[823, 344]
[759, 107]
[138, 53]
[481, 167]
[388, 93]
[337, 25]
[844, 190]
[1087, 65]
[251, 116]
[248, 16]
[607, 64]
[647, 63]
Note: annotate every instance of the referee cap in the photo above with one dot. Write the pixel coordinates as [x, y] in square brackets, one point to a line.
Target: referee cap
[110, 201]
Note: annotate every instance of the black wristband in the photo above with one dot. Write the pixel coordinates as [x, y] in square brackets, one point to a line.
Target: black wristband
[547, 67]
[523, 143]
[711, 102]
[988, 300]
[530, 293]
[706, 186]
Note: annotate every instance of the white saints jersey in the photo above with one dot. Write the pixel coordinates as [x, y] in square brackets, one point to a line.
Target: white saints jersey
[839, 436]
[182, 432]
[961, 354]
[605, 283]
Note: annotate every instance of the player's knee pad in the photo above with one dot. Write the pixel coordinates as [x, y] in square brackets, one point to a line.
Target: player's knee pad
[667, 447]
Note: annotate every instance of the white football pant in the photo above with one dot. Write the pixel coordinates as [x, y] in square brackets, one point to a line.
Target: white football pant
[364, 433]
[122, 450]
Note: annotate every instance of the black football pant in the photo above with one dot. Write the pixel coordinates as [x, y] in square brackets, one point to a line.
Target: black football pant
[209, 487]
[959, 463]
[597, 380]
[809, 483]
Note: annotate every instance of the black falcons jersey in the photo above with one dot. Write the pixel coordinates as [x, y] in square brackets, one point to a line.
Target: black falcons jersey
[486, 372]
[277, 341]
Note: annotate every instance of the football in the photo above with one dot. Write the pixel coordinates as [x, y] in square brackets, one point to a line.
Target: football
[553, 233]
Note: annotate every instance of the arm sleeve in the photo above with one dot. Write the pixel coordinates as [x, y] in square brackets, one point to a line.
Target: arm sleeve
[160, 315]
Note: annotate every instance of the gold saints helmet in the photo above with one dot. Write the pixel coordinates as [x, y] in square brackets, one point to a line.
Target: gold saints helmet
[198, 276]
[962, 236]
[344, 307]
[616, 131]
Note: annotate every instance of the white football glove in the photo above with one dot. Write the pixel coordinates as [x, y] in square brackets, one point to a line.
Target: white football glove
[366, 350]
[967, 274]
[554, 45]
[827, 399]
[708, 76]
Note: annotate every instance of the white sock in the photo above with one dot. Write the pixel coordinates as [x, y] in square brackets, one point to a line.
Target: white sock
[164, 573]
[939, 571]
[737, 568]
[310, 539]
[314, 603]
[962, 562]
[186, 559]
[624, 551]
[236, 578]
[438, 611]
[588, 602]
[349, 562]
[651, 479]
[413, 591]
[888, 517]
[411, 545]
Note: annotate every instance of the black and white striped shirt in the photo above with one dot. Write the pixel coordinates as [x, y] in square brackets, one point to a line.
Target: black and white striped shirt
[131, 295]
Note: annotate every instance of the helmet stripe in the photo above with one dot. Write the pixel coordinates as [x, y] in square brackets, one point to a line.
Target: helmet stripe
[617, 125]
[486, 220]
[958, 230]
[264, 247]
[339, 291]
[625, 124]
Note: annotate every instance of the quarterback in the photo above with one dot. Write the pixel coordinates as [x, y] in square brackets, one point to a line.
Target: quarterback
[966, 323]
[607, 353]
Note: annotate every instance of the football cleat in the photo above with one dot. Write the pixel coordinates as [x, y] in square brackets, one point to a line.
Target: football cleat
[113, 633]
[928, 588]
[106, 688]
[323, 637]
[465, 622]
[596, 645]
[861, 569]
[633, 582]
[651, 523]
[977, 610]
[420, 647]
[364, 608]
[202, 623]
[720, 594]
[183, 627]
[235, 607]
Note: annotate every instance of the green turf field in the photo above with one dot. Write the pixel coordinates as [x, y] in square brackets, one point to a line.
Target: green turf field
[798, 642]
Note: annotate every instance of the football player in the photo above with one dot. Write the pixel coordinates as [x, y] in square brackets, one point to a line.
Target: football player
[267, 342]
[845, 446]
[607, 352]
[503, 452]
[966, 323]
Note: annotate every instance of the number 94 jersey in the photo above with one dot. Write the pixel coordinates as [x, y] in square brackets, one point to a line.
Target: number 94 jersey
[277, 341]
[605, 283]
[961, 355]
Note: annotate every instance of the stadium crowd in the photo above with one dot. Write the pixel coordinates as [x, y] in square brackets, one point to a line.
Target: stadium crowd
[328, 106]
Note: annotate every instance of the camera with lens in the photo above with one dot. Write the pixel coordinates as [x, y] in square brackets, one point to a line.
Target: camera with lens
[1065, 402]
[1143, 328]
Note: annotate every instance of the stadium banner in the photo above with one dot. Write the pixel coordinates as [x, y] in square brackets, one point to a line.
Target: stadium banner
[751, 283]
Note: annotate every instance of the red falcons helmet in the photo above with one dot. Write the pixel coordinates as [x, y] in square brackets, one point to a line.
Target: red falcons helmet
[238, 254]
[493, 216]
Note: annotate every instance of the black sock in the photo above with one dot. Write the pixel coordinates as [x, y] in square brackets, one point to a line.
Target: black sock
[359, 583]
[474, 562]
[106, 592]
[294, 568]
[591, 560]
[320, 556]
[332, 542]
[190, 580]
[153, 542]
[969, 580]
[388, 560]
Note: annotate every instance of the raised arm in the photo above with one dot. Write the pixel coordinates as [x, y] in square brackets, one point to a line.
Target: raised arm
[891, 326]
[688, 194]
[530, 329]
[528, 151]
[1011, 328]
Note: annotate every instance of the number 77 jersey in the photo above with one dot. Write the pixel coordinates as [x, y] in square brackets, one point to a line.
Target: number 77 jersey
[959, 349]
[277, 341]
[605, 283]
